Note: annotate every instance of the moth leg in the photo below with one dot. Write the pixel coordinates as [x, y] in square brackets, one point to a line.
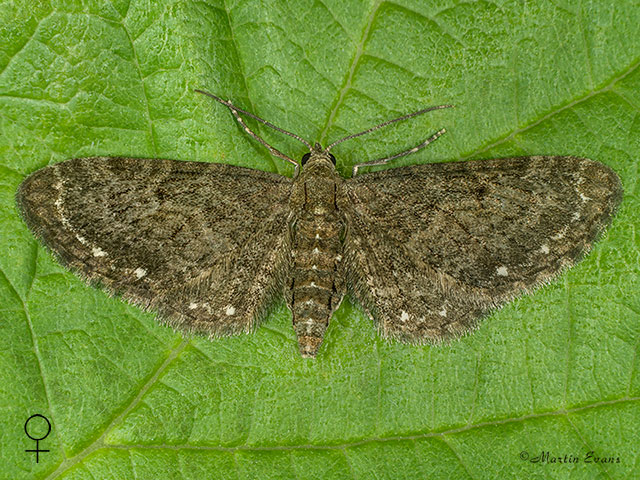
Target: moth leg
[274, 151]
[385, 160]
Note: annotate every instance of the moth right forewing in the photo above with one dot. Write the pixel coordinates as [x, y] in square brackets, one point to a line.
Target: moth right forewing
[497, 225]
[480, 233]
[407, 300]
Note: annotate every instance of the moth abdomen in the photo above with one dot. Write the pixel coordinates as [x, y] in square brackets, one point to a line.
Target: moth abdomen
[314, 293]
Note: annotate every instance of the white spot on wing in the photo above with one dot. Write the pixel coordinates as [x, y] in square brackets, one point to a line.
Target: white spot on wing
[502, 271]
[316, 251]
[584, 198]
[140, 272]
[58, 204]
[309, 323]
[96, 251]
[230, 310]
[193, 306]
[404, 316]
[317, 236]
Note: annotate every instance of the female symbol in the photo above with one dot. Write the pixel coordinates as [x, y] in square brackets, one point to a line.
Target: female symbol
[37, 440]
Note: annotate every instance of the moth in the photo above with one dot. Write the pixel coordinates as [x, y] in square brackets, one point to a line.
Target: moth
[426, 250]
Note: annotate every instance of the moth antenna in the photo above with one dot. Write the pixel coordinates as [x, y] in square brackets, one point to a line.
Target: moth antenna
[382, 161]
[235, 110]
[388, 122]
[273, 150]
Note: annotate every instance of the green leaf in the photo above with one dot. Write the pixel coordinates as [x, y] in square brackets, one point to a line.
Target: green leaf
[555, 371]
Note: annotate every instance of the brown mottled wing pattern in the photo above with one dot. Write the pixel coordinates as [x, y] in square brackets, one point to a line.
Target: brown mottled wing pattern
[432, 248]
[204, 244]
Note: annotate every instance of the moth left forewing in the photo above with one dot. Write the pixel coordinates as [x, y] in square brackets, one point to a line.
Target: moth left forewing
[475, 234]
[239, 292]
[167, 235]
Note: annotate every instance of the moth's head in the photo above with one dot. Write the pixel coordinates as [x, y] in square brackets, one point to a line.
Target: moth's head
[318, 157]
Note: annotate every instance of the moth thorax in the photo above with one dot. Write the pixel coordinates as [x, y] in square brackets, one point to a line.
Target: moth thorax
[320, 193]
